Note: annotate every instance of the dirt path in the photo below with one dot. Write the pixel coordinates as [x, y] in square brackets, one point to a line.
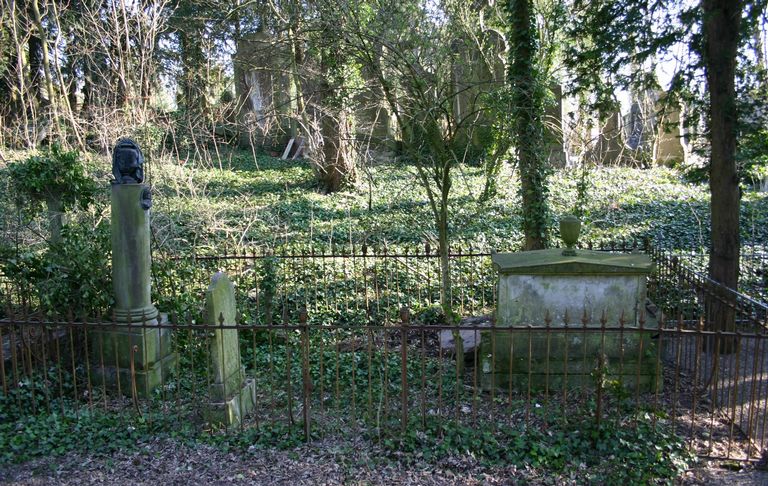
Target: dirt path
[169, 463]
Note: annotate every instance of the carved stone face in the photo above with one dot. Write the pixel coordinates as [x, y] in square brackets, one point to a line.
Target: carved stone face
[127, 162]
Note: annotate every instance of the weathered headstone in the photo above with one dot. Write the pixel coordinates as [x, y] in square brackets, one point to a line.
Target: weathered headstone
[668, 149]
[553, 123]
[610, 144]
[263, 90]
[135, 355]
[232, 394]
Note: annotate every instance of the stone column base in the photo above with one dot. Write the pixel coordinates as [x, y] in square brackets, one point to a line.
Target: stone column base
[147, 378]
[230, 413]
[153, 361]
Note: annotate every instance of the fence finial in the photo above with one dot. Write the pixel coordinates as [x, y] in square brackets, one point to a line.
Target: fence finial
[405, 314]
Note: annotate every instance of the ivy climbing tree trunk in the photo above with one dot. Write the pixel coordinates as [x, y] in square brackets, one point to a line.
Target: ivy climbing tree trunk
[194, 82]
[722, 19]
[527, 107]
[335, 168]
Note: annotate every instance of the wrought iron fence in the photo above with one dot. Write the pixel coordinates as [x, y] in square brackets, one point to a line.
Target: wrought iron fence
[336, 353]
[345, 283]
[753, 268]
[719, 356]
[351, 284]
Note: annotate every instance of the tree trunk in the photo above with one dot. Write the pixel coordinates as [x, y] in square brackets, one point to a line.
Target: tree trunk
[722, 19]
[528, 125]
[194, 81]
[294, 79]
[336, 168]
[8, 89]
[35, 49]
[49, 88]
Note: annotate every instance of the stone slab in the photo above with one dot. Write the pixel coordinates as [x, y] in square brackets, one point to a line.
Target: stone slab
[585, 262]
[558, 344]
[470, 338]
[519, 355]
[113, 347]
[153, 362]
[644, 383]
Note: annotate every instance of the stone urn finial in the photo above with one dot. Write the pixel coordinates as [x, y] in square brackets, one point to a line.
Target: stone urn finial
[570, 226]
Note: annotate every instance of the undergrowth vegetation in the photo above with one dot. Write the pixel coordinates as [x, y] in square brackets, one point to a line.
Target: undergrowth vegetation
[242, 203]
[255, 205]
[267, 202]
[633, 447]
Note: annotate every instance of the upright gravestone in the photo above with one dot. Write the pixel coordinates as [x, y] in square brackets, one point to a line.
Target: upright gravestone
[232, 394]
[134, 356]
[668, 147]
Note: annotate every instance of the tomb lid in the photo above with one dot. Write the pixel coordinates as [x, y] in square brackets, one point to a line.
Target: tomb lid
[585, 262]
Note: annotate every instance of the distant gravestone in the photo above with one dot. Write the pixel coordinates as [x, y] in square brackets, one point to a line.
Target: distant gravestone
[610, 143]
[232, 394]
[553, 122]
[669, 148]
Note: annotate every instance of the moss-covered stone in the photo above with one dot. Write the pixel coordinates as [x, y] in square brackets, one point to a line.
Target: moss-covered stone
[585, 262]
[134, 355]
[131, 258]
[583, 292]
[232, 395]
[643, 383]
[148, 377]
[113, 347]
[230, 412]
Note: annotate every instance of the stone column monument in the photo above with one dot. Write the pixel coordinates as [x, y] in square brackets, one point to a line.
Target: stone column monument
[136, 353]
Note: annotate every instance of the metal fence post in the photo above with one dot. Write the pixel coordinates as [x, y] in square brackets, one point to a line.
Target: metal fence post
[404, 317]
[306, 380]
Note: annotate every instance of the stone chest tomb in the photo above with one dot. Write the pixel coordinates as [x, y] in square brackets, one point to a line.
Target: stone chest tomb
[558, 303]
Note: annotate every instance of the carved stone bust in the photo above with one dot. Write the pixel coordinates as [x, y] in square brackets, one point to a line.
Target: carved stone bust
[127, 162]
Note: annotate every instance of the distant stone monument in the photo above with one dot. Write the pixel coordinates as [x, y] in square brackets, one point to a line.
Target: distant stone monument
[553, 129]
[610, 144]
[136, 354]
[232, 394]
[668, 149]
[263, 91]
